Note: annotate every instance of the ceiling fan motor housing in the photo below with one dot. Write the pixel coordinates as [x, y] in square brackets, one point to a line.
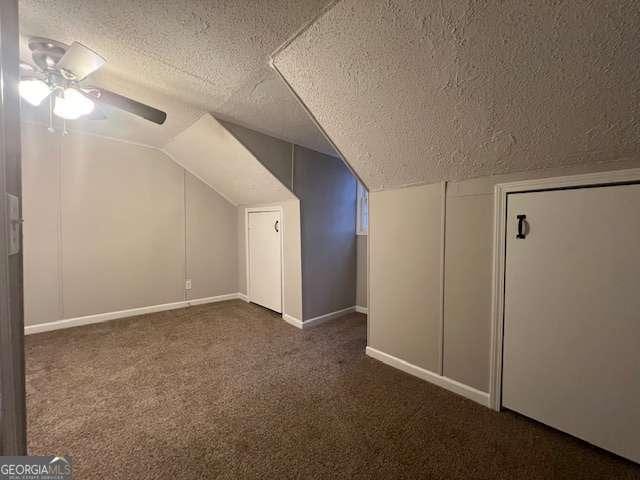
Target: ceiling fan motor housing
[63, 67]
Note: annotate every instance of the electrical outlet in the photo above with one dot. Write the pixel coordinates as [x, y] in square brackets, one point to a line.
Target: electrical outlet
[187, 285]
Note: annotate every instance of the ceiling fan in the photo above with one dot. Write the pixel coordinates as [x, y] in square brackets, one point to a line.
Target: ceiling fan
[58, 75]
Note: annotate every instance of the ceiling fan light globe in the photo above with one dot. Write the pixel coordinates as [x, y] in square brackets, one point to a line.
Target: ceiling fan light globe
[33, 91]
[64, 109]
[72, 105]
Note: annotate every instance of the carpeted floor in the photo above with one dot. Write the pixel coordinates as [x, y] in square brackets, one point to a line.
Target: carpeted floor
[229, 390]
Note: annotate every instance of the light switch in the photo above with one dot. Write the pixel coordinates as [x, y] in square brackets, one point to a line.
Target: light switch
[14, 224]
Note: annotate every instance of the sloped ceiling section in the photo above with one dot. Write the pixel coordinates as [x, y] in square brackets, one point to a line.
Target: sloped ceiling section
[212, 56]
[211, 153]
[419, 91]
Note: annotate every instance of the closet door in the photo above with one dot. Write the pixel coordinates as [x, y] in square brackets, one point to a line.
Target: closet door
[265, 273]
[572, 313]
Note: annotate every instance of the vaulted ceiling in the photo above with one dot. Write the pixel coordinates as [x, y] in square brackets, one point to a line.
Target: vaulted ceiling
[416, 91]
[211, 153]
[186, 57]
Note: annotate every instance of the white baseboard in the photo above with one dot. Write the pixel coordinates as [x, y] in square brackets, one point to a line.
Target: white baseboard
[244, 297]
[312, 322]
[132, 312]
[452, 385]
[292, 320]
[218, 298]
[361, 309]
[326, 317]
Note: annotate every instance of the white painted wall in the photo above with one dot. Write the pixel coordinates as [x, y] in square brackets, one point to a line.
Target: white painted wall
[105, 228]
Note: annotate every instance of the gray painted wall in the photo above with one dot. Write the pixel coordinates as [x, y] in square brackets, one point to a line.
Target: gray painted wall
[467, 287]
[405, 247]
[362, 290]
[405, 280]
[211, 241]
[105, 228]
[327, 192]
[326, 189]
[120, 206]
[273, 153]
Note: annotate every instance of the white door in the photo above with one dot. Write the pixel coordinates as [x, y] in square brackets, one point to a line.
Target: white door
[265, 274]
[572, 313]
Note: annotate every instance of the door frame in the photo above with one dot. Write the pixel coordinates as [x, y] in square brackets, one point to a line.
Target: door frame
[247, 211]
[501, 192]
[12, 379]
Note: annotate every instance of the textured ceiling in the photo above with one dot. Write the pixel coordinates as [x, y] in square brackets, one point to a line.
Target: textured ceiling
[213, 154]
[418, 91]
[210, 55]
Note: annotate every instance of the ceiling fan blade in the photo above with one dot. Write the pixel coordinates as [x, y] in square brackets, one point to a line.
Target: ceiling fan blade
[45, 52]
[28, 71]
[97, 114]
[26, 67]
[79, 62]
[127, 104]
[45, 60]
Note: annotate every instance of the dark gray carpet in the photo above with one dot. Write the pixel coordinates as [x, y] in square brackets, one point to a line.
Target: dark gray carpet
[229, 390]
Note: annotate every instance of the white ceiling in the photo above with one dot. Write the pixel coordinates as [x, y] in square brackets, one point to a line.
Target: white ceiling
[416, 91]
[211, 153]
[186, 57]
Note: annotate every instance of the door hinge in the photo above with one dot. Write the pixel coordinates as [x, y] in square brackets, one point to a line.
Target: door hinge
[15, 223]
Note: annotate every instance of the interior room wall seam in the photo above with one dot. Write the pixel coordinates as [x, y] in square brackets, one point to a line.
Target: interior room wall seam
[293, 167]
[371, 274]
[60, 233]
[443, 246]
[187, 293]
